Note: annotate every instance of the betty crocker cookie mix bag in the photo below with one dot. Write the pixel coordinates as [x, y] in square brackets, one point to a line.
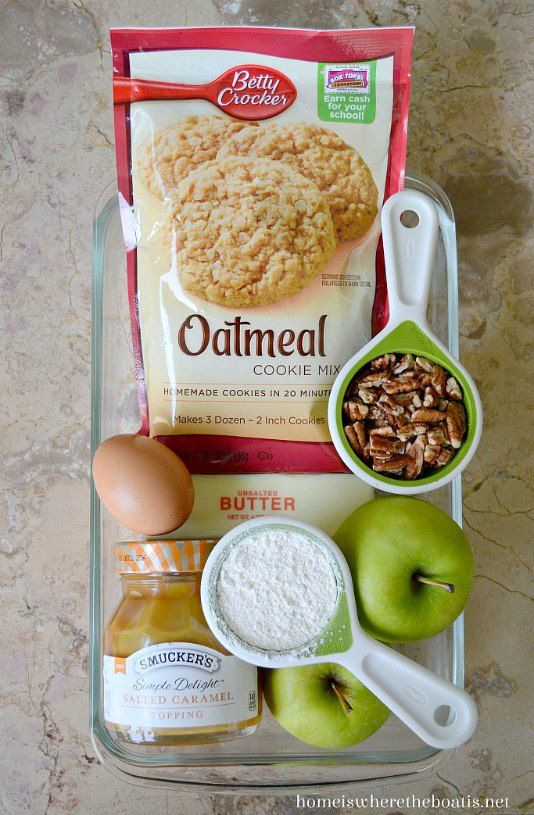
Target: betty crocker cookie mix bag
[252, 166]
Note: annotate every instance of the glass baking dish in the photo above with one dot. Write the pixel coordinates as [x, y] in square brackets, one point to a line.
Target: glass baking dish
[269, 761]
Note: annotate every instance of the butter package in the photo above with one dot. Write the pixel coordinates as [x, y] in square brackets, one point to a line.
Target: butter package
[252, 166]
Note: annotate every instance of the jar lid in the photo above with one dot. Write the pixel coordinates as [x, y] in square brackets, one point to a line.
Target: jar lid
[162, 556]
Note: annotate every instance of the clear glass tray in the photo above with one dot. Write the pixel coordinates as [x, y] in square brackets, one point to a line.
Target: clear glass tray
[270, 761]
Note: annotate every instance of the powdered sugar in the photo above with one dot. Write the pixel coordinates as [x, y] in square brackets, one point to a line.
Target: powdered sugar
[276, 589]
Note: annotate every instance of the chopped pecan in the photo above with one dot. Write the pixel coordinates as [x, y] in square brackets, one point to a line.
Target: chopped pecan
[403, 399]
[359, 427]
[377, 416]
[429, 416]
[431, 398]
[439, 380]
[382, 431]
[356, 436]
[393, 386]
[383, 444]
[352, 438]
[408, 431]
[405, 364]
[453, 389]
[373, 380]
[382, 363]
[415, 450]
[395, 462]
[390, 405]
[444, 457]
[425, 364]
[431, 453]
[368, 396]
[356, 410]
[456, 423]
[437, 437]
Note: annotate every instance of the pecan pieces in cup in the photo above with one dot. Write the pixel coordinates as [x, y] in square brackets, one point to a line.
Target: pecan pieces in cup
[405, 416]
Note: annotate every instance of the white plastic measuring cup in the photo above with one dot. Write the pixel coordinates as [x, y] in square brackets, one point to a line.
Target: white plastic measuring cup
[409, 252]
[439, 712]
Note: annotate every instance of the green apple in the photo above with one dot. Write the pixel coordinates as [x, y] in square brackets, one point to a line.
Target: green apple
[323, 705]
[411, 565]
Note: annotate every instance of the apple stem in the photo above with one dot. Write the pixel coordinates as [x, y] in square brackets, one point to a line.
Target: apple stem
[347, 707]
[430, 582]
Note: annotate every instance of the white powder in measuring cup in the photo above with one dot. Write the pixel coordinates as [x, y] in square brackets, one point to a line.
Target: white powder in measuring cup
[276, 589]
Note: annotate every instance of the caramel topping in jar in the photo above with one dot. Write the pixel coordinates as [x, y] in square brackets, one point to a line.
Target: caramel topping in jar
[167, 680]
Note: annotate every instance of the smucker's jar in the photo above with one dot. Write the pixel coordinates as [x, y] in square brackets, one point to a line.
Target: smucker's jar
[167, 680]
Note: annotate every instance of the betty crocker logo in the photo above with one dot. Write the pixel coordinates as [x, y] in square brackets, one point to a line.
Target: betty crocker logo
[244, 92]
[255, 92]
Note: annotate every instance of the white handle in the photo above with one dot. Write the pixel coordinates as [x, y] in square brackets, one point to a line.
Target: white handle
[409, 253]
[439, 712]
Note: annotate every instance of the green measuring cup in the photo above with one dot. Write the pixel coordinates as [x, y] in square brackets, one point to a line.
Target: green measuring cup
[409, 255]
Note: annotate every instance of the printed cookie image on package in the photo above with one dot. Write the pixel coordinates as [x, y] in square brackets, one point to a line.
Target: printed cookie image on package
[252, 166]
[174, 151]
[321, 155]
[249, 232]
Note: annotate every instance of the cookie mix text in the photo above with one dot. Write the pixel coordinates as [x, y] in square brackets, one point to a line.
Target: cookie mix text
[195, 336]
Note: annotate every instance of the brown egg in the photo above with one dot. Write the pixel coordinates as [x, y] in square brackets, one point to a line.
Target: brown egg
[143, 484]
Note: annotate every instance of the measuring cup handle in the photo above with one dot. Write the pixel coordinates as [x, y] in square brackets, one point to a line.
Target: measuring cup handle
[409, 253]
[439, 712]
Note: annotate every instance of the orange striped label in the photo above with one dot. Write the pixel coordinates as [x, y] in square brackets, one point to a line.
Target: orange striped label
[162, 556]
[120, 665]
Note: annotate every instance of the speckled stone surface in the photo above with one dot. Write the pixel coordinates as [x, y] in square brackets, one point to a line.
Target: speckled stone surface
[470, 130]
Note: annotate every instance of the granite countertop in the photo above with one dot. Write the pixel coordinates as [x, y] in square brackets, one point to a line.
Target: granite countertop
[470, 130]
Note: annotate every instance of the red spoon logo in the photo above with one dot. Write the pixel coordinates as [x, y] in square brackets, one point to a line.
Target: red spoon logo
[244, 92]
